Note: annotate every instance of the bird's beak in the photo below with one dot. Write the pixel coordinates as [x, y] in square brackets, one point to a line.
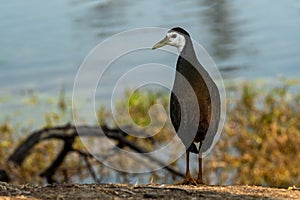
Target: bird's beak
[161, 43]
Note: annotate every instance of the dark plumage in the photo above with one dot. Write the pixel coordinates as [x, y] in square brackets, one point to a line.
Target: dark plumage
[183, 111]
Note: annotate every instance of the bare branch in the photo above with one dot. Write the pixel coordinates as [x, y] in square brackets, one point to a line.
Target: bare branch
[68, 134]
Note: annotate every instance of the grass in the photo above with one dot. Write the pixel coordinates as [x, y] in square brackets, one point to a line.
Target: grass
[259, 144]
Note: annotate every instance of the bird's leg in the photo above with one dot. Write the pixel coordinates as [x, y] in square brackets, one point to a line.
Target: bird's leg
[187, 172]
[188, 178]
[199, 179]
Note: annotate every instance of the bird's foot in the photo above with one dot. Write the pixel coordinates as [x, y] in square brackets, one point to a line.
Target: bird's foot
[199, 181]
[188, 181]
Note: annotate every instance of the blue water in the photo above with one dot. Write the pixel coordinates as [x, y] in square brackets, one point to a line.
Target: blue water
[43, 43]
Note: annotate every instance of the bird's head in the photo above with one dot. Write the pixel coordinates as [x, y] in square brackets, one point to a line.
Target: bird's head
[175, 37]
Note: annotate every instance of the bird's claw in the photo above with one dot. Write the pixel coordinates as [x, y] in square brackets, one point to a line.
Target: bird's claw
[199, 182]
[188, 181]
[191, 181]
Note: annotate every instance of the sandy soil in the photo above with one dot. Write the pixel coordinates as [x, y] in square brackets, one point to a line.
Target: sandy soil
[151, 191]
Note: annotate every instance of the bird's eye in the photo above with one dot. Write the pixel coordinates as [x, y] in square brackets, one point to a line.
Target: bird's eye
[173, 36]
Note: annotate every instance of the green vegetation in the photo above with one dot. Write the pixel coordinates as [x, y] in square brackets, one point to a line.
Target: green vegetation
[261, 141]
[259, 144]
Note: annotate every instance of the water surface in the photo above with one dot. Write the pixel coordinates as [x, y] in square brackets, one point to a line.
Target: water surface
[42, 44]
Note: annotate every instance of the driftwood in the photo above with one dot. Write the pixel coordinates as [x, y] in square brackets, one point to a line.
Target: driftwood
[68, 134]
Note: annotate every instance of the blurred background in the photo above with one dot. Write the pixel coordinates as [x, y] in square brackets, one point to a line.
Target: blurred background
[255, 45]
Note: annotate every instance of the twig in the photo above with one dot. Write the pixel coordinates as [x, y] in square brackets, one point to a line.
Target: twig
[50, 171]
[293, 188]
[128, 191]
[90, 168]
[164, 188]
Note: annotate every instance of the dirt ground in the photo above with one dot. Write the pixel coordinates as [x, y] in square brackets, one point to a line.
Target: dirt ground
[151, 191]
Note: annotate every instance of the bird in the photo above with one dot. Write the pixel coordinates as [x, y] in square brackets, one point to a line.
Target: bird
[183, 113]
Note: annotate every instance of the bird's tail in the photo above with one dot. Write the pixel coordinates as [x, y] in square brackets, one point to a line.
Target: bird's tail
[192, 148]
